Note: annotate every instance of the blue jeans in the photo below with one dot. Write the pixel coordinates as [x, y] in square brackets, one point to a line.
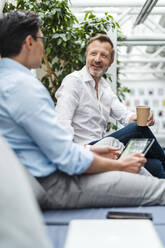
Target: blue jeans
[155, 156]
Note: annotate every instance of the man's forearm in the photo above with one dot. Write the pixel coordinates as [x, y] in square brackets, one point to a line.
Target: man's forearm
[101, 164]
[131, 163]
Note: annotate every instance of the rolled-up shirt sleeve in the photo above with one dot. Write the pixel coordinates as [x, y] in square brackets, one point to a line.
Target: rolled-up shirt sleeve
[119, 112]
[35, 113]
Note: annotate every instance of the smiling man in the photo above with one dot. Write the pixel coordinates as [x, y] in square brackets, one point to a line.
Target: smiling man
[99, 57]
[85, 103]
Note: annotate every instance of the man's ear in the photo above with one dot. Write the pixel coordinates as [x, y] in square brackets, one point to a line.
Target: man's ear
[111, 61]
[112, 57]
[28, 41]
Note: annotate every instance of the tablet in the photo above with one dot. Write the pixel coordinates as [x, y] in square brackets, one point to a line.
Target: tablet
[137, 146]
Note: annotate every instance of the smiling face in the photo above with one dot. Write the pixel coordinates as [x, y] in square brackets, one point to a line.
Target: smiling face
[98, 58]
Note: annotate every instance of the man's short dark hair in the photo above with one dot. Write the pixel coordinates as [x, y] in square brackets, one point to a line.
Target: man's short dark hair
[15, 26]
[102, 38]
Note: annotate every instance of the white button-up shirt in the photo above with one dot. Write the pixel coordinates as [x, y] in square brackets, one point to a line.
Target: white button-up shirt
[81, 112]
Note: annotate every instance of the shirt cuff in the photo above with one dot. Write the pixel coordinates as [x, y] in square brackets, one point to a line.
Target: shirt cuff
[128, 118]
[88, 157]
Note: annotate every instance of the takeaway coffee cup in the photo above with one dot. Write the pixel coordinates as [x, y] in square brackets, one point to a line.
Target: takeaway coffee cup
[142, 115]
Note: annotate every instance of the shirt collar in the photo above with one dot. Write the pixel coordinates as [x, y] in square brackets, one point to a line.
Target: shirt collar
[7, 62]
[86, 76]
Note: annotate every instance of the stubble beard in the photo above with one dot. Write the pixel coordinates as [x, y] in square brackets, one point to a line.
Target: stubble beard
[96, 74]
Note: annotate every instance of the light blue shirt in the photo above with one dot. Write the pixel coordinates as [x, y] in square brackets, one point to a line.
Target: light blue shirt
[29, 123]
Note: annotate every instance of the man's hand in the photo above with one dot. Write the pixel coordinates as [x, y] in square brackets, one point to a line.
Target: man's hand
[132, 163]
[150, 121]
[133, 118]
[106, 151]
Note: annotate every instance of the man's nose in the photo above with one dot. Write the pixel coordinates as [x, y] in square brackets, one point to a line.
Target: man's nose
[98, 58]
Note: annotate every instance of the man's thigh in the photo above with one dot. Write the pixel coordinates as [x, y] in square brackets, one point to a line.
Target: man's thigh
[110, 189]
[126, 133]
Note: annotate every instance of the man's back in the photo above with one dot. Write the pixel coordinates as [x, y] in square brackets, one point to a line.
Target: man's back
[18, 87]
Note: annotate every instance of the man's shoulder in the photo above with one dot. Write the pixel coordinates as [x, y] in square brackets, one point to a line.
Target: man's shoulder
[19, 81]
[27, 80]
[71, 83]
[73, 79]
[74, 75]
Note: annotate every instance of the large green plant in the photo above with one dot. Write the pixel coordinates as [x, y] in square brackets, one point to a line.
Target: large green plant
[67, 37]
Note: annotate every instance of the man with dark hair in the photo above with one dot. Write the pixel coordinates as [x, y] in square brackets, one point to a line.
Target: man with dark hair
[72, 176]
[85, 103]
[24, 24]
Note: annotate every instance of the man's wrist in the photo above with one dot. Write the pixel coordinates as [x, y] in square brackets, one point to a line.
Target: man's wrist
[118, 165]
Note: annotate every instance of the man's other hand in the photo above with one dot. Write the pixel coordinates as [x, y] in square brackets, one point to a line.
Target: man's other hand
[132, 163]
[150, 121]
[106, 151]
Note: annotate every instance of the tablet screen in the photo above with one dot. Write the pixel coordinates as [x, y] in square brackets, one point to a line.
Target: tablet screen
[137, 146]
